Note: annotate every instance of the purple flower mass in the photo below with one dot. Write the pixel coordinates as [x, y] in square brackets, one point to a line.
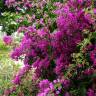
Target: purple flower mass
[45, 87]
[16, 80]
[51, 53]
[93, 56]
[20, 74]
[91, 92]
[94, 10]
[7, 40]
[9, 3]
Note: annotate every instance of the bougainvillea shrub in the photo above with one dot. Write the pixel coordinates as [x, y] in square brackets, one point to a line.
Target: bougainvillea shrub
[24, 13]
[61, 51]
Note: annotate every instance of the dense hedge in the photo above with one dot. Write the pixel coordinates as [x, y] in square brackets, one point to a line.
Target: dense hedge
[59, 44]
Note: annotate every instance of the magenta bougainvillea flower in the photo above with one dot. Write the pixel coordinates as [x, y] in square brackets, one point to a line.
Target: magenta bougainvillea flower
[22, 71]
[9, 3]
[91, 92]
[94, 10]
[93, 56]
[7, 40]
[16, 80]
[45, 87]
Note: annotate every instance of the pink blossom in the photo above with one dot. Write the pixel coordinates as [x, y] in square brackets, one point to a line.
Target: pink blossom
[7, 40]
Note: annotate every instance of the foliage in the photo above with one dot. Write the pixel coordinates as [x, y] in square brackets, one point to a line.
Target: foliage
[23, 15]
[59, 44]
[7, 68]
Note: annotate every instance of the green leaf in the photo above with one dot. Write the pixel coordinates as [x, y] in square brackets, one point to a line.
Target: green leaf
[82, 90]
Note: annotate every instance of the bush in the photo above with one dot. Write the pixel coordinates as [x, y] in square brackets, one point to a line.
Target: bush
[59, 44]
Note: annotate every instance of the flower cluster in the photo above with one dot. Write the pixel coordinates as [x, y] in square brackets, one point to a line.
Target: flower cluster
[56, 87]
[93, 56]
[50, 51]
[20, 74]
[7, 40]
[9, 3]
[91, 92]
